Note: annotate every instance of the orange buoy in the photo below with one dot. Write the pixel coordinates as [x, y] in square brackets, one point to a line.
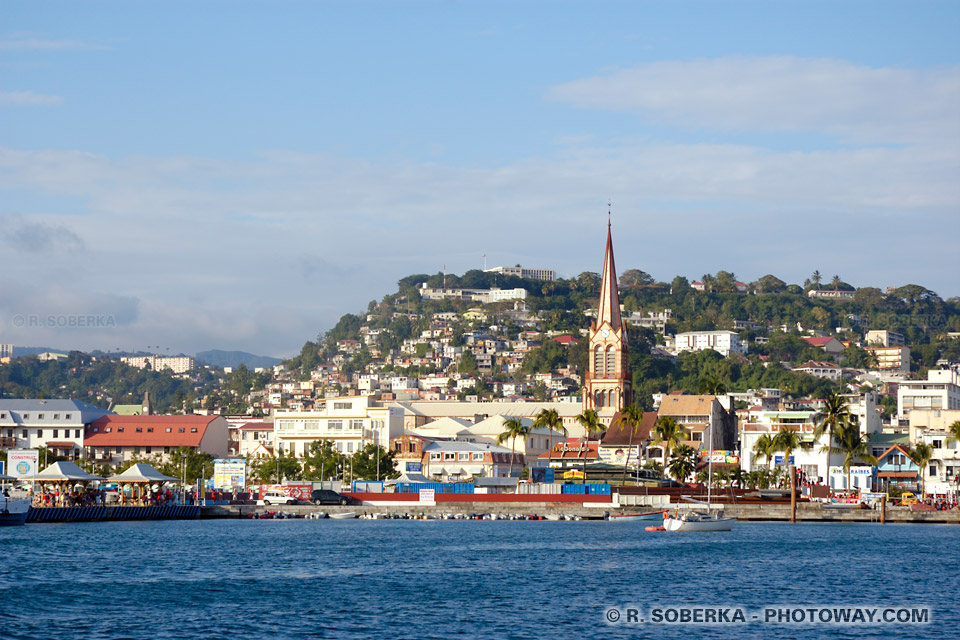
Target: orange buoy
[654, 529]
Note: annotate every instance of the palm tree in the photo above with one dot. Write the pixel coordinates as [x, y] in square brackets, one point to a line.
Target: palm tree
[829, 420]
[835, 282]
[816, 278]
[683, 462]
[763, 448]
[852, 446]
[921, 454]
[669, 433]
[549, 419]
[590, 422]
[513, 428]
[954, 431]
[711, 384]
[630, 417]
[738, 476]
[788, 441]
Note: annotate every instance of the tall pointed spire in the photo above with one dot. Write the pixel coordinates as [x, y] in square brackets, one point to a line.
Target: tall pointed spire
[609, 307]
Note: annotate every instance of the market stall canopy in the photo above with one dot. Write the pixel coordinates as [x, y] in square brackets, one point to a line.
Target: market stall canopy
[65, 471]
[141, 472]
[408, 478]
[6, 478]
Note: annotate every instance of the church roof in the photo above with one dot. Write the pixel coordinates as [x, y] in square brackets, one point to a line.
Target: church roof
[609, 307]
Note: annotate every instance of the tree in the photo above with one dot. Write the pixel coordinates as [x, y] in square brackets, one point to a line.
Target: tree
[921, 454]
[635, 278]
[788, 440]
[468, 363]
[373, 462]
[320, 460]
[954, 431]
[551, 420]
[711, 384]
[590, 422]
[830, 419]
[683, 462]
[835, 282]
[630, 417]
[853, 446]
[513, 428]
[763, 448]
[668, 433]
[769, 284]
[816, 278]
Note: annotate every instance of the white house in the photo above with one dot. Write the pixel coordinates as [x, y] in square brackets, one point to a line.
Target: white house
[350, 422]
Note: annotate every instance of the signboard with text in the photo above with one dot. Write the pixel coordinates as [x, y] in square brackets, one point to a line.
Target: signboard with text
[229, 474]
[427, 495]
[23, 463]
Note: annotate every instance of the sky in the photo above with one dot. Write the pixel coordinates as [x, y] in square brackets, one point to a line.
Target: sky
[182, 176]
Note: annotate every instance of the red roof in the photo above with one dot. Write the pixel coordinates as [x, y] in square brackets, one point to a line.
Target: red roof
[151, 431]
[257, 426]
[818, 341]
[566, 340]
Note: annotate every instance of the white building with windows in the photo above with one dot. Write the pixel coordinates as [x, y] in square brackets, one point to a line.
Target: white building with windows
[524, 272]
[940, 391]
[723, 342]
[176, 364]
[57, 425]
[350, 422]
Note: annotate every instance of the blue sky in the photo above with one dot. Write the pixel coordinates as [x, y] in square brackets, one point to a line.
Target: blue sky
[238, 175]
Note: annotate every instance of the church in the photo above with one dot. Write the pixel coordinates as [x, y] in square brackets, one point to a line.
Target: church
[607, 387]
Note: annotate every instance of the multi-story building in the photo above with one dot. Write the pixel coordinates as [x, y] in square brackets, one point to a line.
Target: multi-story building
[176, 364]
[455, 460]
[6, 351]
[707, 423]
[57, 425]
[349, 422]
[884, 338]
[892, 359]
[940, 391]
[835, 294]
[473, 295]
[255, 439]
[819, 369]
[723, 342]
[524, 272]
[114, 440]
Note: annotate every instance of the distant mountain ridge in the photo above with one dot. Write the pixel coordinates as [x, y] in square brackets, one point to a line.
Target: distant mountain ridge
[218, 358]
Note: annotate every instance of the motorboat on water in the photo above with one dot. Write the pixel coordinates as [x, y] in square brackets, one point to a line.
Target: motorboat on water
[638, 517]
[695, 521]
[13, 513]
[343, 516]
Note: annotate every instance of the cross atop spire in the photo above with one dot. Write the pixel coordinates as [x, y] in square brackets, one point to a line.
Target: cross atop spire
[609, 307]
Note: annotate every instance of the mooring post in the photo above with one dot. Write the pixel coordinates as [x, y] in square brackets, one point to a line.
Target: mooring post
[793, 494]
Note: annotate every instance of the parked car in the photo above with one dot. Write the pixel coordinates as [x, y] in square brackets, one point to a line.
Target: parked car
[328, 496]
[276, 498]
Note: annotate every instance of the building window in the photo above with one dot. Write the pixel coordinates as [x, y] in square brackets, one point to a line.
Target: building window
[335, 425]
[39, 433]
[449, 456]
[136, 449]
[611, 362]
[56, 416]
[478, 456]
[398, 447]
[119, 429]
[193, 429]
[56, 433]
[463, 456]
[24, 434]
[39, 416]
[76, 433]
[139, 429]
[413, 447]
[166, 449]
[168, 429]
[66, 417]
[598, 361]
[342, 406]
[349, 447]
[434, 456]
[26, 416]
[149, 429]
[119, 450]
[181, 430]
[356, 424]
[148, 449]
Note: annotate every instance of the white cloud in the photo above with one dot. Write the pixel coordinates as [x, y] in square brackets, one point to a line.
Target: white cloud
[31, 42]
[782, 94]
[19, 98]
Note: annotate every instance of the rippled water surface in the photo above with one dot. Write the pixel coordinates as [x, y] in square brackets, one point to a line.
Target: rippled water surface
[444, 579]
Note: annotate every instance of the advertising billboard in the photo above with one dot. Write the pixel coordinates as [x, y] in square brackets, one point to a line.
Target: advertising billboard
[229, 474]
[23, 463]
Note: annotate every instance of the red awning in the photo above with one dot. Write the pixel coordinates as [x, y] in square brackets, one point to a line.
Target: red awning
[897, 474]
[62, 445]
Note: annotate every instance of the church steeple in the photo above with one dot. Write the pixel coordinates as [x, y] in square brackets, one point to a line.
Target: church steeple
[607, 386]
[609, 307]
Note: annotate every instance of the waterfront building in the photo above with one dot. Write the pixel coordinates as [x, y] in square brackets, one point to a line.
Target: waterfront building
[620, 445]
[113, 439]
[418, 413]
[255, 439]
[58, 425]
[723, 342]
[454, 460]
[608, 383]
[896, 467]
[349, 422]
[706, 421]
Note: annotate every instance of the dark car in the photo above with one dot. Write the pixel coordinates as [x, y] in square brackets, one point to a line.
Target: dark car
[327, 496]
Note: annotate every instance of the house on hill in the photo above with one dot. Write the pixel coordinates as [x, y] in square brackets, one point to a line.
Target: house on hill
[828, 343]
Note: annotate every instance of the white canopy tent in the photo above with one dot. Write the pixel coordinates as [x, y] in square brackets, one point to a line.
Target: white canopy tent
[142, 472]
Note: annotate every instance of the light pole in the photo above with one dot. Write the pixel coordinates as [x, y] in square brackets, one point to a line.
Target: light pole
[183, 476]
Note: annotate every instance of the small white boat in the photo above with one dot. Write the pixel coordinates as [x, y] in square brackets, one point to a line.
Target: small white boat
[650, 516]
[553, 516]
[343, 516]
[698, 522]
[13, 512]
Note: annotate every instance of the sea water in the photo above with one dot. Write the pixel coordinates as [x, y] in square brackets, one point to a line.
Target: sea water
[237, 579]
